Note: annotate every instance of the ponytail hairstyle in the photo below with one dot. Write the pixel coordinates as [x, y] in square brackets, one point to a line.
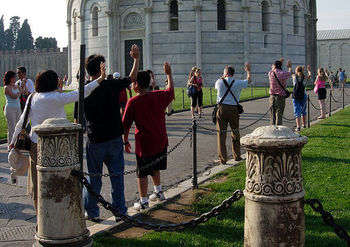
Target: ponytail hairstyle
[321, 74]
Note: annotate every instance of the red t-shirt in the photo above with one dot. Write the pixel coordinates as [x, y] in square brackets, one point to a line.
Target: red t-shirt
[123, 97]
[148, 113]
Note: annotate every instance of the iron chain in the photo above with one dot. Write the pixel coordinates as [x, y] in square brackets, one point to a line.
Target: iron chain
[189, 132]
[328, 219]
[318, 109]
[237, 195]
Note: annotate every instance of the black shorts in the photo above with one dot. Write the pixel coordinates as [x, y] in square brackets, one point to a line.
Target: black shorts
[197, 99]
[322, 93]
[142, 169]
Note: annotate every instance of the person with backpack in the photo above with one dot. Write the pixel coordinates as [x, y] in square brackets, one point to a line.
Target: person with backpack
[300, 96]
[228, 93]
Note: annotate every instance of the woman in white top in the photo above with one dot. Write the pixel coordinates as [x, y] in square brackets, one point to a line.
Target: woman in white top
[12, 110]
[48, 102]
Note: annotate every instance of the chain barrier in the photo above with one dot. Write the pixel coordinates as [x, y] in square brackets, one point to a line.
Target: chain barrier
[189, 132]
[289, 119]
[334, 99]
[328, 219]
[242, 128]
[236, 196]
[316, 108]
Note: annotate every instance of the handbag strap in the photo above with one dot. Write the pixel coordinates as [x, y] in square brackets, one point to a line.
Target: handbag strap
[279, 83]
[26, 114]
[227, 91]
[234, 97]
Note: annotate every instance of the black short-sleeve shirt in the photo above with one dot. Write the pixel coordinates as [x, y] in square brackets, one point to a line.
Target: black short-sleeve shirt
[102, 111]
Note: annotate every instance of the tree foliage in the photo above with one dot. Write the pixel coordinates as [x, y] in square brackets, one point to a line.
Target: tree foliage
[17, 37]
[45, 42]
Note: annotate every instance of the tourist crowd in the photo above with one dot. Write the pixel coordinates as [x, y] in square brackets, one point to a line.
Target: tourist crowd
[109, 116]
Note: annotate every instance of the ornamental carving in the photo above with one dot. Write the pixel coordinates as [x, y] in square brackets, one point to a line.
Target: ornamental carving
[58, 151]
[274, 174]
[133, 21]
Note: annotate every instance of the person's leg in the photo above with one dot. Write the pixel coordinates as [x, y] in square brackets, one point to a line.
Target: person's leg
[32, 185]
[297, 112]
[95, 154]
[281, 103]
[303, 112]
[221, 126]
[142, 184]
[114, 161]
[200, 102]
[272, 110]
[235, 136]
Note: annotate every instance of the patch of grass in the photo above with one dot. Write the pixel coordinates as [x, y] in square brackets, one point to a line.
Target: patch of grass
[326, 159]
[177, 105]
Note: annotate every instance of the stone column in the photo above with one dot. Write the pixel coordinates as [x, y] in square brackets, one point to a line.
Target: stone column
[274, 210]
[60, 216]
[246, 37]
[148, 35]
[110, 46]
[197, 7]
[69, 57]
[284, 32]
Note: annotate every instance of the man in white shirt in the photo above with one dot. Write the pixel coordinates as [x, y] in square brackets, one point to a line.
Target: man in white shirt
[228, 111]
[26, 86]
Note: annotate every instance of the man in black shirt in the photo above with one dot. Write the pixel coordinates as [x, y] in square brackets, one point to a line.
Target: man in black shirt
[104, 130]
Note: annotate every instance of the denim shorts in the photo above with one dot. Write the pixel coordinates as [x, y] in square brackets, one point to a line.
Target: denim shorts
[300, 107]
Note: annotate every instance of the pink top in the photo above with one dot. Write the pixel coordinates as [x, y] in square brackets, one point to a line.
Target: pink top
[320, 84]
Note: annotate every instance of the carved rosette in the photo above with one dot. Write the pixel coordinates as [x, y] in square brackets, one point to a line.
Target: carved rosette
[274, 173]
[58, 151]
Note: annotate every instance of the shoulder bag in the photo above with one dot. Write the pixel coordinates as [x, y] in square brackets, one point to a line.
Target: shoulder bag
[240, 107]
[215, 110]
[285, 90]
[23, 141]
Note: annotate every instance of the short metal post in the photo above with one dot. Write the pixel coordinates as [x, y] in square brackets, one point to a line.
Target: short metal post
[211, 96]
[330, 103]
[251, 90]
[308, 111]
[194, 154]
[183, 99]
[343, 97]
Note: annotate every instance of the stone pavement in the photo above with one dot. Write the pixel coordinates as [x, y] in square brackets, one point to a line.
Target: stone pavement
[17, 217]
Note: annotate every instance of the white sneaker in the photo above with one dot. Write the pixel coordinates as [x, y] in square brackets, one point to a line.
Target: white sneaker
[157, 196]
[139, 206]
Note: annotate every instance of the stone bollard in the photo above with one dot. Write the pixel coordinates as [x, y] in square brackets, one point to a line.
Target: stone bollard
[274, 209]
[60, 216]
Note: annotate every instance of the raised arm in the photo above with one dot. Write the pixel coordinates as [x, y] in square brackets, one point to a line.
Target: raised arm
[289, 66]
[247, 69]
[135, 54]
[167, 71]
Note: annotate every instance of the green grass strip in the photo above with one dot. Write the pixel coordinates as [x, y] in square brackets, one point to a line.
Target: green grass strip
[326, 170]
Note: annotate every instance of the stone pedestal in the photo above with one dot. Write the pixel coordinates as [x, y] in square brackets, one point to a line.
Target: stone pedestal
[274, 213]
[60, 216]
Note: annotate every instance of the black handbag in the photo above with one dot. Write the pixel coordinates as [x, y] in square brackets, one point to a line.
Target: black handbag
[215, 110]
[23, 141]
[285, 90]
[240, 107]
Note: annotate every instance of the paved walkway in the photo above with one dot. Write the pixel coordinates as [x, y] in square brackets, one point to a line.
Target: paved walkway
[17, 218]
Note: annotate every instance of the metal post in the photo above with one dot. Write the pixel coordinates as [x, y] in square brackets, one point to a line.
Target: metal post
[266, 90]
[330, 103]
[81, 105]
[343, 97]
[251, 90]
[211, 96]
[308, 111]
[194, 151]
[183, 99]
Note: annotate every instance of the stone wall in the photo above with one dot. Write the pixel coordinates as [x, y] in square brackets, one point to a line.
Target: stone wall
[197, 42]
[35, 61]
[334, 54]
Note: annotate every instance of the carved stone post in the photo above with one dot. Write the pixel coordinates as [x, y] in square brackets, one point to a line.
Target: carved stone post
[274, 210]
[60, 208]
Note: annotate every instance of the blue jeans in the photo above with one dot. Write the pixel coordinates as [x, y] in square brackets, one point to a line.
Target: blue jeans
[110, 153]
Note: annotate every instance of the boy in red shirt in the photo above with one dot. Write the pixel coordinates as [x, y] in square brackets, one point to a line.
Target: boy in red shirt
[147, 109]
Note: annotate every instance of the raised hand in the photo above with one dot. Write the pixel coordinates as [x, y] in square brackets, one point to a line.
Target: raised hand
[135, 52]
[308, 68]
[167, 68]
[247, 67]
[289, 64]
[103, 70]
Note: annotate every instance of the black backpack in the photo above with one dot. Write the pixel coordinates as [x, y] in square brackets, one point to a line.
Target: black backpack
[299, 89]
